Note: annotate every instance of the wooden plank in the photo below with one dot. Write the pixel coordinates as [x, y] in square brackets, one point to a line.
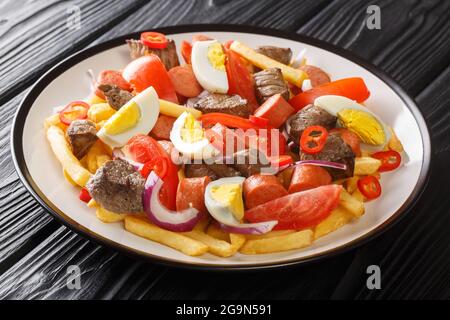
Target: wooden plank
[34, 37]
[414, 256]
[412, 45]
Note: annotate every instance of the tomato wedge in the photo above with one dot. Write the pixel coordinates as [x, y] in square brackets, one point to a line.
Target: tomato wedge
[390, 160]
[154, 40]
[71, 112]
[149, 71]
[370, 187]
[186, 50]
[352, 88]
[231, 121]
[298, 210]
[159, 165]
[240, 81]
[145, 149]
[84, 195]
[313, 139]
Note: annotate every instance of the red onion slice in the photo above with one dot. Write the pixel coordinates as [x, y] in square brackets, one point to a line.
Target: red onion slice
[181, 221]
[118, 154]
[250, 228]
[320, 163]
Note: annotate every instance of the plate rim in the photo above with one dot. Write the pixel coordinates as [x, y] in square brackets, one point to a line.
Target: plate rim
[59, 68]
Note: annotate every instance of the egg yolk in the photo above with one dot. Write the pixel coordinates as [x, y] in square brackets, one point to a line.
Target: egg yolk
[364, 125]
[216, 56]
[230, 195]
[192, 130]
[127, 117]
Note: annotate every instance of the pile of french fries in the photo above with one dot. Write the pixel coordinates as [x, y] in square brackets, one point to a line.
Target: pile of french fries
[206, 236]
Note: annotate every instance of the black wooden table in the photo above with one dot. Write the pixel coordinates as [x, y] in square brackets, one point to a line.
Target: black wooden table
[412, 46]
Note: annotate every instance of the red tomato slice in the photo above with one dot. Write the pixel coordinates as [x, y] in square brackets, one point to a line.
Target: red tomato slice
[298, 210]
[186, 50]
[240, 81]
[84, 195]
[144, 149]
[159, 165]
[352, 88]
[111, 77]
[149, 71]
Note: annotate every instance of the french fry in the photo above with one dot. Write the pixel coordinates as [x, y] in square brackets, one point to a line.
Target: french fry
[69, 179]
[215, 232]
[335, 220]
[175, 110]
[69, 162]
[296, 240]
[237, 241]
[294, 76]
[351, 204]
[215, 246]
[351, 184]
[53, 120]
[143, 228]
[107, 216]
[92, 204]
[365, 166]
[100, 112]
[270, 234]
[96, 156]
[395, 143]
[358, 195]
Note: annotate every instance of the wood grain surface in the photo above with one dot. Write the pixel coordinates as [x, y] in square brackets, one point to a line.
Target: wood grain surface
[413, 46]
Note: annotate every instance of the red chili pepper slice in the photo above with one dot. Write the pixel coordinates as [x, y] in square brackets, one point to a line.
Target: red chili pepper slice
[260, 122]
[154, 40]
[159, 165]
[313, 139]
[369, 187]
[84, 195]
[228, 120]
[70, 112]
[390, 160]
[281, 161]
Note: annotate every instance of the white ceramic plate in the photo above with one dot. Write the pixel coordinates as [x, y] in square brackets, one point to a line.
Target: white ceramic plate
[42, 174]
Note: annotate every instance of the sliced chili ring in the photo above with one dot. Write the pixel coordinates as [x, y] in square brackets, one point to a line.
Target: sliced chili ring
[70, 109]
[159, 165]
[84, 195]
[370, 187]
[313, 139]
[390, 160]
[281, 161]
[154, 40]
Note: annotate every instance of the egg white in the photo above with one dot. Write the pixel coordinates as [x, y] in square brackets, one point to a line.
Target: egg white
[148, 104]
[216, 208]
[202, 149]
[334, 104]
[210, 78]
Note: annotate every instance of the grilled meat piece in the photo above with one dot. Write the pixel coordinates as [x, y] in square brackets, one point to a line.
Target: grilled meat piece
[283, 55]
[81, 134]
[335, 150]
[308, 116]
[250, 162]
[168, 55]
[216, 102]
[269, 82]
[117, 187]
[214, 171]
[115, 96]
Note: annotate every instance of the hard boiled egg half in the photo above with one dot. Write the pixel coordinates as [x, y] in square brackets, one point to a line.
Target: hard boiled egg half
[188, 137]
[372, 131]
[138, 115]
[208, 64]
[223, 199]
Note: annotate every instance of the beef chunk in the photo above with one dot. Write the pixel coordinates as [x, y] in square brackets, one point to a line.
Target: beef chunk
[117, 187]
[335, 150]
[81, 134]
[283, 55]
[309, 116]
[214, 171]
[115, 96]
[269, 82]
[216, 102]
[168, 55]
[250, 162]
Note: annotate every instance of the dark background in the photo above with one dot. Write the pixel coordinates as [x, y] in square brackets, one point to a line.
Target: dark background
[413, 46]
